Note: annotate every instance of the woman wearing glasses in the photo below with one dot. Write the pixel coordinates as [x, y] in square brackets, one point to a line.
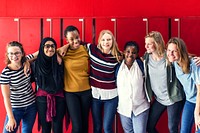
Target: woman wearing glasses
[48, 75]
[19, 97]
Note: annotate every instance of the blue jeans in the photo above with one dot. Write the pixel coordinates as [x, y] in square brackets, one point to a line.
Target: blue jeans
[27, 115]
[188, 117]
[135, 124]
[173, 112]
[110, 108]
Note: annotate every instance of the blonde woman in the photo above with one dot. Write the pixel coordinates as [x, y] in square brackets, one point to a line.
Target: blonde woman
[161, 82]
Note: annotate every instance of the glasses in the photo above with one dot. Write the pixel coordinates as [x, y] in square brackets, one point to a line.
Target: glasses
[49, 45]
[16, 53]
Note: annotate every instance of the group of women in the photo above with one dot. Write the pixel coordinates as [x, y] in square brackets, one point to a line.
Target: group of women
[80, 76]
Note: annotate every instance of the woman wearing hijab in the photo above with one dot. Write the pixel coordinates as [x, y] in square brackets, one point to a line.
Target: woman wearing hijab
[50, 100]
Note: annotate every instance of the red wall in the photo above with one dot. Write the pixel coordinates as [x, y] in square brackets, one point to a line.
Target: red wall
[98, 8]
[123, 18]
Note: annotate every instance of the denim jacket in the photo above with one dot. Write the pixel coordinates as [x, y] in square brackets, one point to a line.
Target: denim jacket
[174, 87]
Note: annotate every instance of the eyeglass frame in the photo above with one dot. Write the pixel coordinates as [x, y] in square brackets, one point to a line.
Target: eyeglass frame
[47, 46]
[16, 53]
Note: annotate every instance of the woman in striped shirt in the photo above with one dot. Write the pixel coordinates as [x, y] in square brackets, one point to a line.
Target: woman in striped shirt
[103, 58]
[19, 97]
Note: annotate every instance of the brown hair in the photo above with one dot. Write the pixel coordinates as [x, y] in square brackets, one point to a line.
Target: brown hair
[184, 60]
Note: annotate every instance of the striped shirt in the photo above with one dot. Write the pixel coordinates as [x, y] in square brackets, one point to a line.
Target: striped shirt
[29, 56]
[102, 68]
[21, 92]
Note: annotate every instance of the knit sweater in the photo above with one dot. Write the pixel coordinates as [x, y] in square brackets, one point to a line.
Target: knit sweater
[102, 68]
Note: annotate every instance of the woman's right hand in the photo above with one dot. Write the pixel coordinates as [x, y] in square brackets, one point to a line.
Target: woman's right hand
[62, 50]
[11, 125]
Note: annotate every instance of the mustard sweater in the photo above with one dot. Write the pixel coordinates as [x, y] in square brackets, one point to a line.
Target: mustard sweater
[76, 77]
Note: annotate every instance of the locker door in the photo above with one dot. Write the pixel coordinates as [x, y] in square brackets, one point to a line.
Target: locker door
[131, 29]
[175, 27]
[52, 28]
[77, 22]
[188, 29]
[85, 28]
[161, 25]
[30, 37]
[30, 34]
[104, 24]
[88, 37]
[8, 32]
[189, 32]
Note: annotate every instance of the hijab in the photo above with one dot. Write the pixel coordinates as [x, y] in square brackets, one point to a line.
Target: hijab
[48, 73]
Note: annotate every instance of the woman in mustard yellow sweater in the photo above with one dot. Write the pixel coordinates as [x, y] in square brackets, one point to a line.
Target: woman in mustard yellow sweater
[77, 89]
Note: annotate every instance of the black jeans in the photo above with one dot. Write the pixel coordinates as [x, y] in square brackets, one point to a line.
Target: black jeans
[78, 105]
[57, 122]
[173, 112]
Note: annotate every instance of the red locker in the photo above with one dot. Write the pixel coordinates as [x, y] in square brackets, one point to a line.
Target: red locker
[161, 25]
[189, 32]
[52, 28]
[30, 33]
[104, 24]
[8, 32]
[131, 29]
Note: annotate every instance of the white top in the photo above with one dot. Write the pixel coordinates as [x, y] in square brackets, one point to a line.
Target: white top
[103, 94]
[131, 92]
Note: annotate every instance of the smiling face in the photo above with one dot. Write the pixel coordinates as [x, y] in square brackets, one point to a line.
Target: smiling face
[49, 48]
[106, 43]
[73, 38]
[14, 54]
[130, 54]
[150, 45]
[172, 52]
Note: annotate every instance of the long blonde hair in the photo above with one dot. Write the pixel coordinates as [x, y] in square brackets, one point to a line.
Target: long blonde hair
[158, 41]
[184, 60]
[114, 49]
